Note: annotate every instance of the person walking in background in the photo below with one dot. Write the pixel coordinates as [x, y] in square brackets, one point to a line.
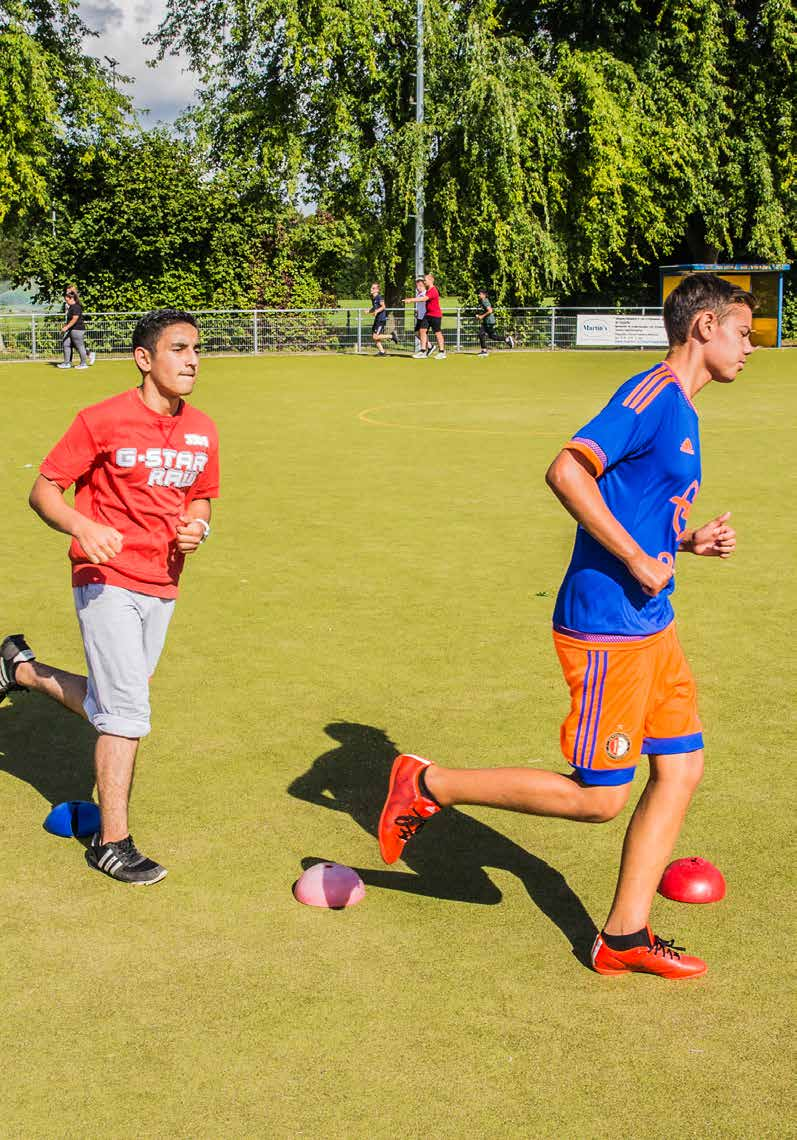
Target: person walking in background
[485, 315]
[421, 323]
[379, 309]
[73, 333]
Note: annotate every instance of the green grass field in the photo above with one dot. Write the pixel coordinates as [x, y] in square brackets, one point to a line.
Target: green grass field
[381, 575]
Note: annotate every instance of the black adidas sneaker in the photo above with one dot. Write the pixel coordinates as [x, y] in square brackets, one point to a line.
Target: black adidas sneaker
[13, 650]
[123, 861]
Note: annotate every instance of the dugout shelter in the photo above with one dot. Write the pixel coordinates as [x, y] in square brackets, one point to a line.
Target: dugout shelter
[766, 281]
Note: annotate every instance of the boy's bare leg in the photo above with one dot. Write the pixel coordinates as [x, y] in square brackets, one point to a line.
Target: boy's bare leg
[650, 838]
[114, 760]
[68, 689]
[531, 791]
[114, 756]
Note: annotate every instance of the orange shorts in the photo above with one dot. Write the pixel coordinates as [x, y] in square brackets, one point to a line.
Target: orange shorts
[626, 698]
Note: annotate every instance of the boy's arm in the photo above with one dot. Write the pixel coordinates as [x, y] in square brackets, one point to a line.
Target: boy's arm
[189, 534]
[572, 479]
[99, 543]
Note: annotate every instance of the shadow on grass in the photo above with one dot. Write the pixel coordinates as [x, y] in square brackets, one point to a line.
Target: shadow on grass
[48, 747]
[450, 856]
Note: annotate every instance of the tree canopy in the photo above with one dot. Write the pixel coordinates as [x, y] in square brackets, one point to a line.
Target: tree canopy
[565, 144]
[567, 147]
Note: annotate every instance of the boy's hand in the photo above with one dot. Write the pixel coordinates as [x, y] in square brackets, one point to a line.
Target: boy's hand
[99, 543]
[651, 573]
[190, 533]
[715, 539]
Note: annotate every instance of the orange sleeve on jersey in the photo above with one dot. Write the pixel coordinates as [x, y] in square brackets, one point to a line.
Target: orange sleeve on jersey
[585, 450]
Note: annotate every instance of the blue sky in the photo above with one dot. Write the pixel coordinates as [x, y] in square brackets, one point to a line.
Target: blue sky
[167, 89]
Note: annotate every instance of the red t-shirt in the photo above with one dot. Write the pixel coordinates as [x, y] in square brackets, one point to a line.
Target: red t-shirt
[137, 471]
[433, 302]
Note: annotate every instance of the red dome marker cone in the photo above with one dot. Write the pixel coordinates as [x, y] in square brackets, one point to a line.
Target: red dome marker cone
[692, 880]
[330, 885]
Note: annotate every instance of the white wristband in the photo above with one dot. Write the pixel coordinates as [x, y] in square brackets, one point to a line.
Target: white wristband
[206, 525]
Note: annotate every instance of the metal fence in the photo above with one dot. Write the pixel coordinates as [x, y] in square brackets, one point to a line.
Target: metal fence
[27, 335]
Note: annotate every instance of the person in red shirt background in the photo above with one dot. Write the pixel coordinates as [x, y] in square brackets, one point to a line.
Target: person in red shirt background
[434, 319]
[145, 467]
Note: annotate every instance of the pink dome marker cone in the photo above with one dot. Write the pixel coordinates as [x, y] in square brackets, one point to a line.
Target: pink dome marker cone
[330, 885]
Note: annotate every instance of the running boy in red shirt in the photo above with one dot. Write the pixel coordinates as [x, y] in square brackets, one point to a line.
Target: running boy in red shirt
[145, 467]
[629, 478]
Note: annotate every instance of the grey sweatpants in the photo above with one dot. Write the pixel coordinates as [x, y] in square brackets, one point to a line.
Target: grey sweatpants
[123, 636]
[75, 338]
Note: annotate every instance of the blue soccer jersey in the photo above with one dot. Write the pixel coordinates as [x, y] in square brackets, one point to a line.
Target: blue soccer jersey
[645, 448]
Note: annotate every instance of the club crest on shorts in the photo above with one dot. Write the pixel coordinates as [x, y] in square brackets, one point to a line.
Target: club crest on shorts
[617, 745]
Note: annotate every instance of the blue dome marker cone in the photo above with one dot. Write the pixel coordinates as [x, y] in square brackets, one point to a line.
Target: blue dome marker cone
[74, 818]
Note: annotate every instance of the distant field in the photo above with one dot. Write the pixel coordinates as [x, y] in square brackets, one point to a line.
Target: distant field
[381, 576]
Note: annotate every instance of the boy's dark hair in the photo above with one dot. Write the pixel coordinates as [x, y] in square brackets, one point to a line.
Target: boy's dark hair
[147, 332]
[695, 294]
[482, 289]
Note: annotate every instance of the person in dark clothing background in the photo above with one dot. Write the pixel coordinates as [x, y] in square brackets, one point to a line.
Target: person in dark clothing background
[73, 332]
[485, 315]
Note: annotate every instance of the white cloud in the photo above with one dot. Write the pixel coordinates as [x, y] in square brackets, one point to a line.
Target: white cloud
[165, 90]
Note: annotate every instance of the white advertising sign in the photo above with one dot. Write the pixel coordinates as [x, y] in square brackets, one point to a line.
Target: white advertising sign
[618, 331]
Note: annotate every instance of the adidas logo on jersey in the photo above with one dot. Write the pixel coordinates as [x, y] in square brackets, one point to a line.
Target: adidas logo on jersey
[687, 446]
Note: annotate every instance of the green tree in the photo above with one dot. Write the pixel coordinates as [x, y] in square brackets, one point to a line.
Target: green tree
[50, 93]
[710, 110]
[143, 222]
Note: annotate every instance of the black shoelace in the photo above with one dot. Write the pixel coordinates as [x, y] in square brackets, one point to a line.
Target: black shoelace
[409, 824]
[667, 949]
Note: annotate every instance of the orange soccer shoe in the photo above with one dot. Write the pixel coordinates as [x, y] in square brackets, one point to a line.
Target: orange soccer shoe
[660, 957]
[406, 808]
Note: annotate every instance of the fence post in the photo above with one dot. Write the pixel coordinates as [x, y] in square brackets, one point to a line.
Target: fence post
[254, 333]
[359, 330]
[33, 337]
[553, 326]
[459, 329]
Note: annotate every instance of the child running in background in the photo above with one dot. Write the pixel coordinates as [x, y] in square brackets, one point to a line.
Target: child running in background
[379, 309]
[485, 315]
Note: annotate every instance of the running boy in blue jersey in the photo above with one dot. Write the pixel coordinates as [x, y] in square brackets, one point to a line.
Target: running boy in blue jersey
[378, 330]
[629, 478]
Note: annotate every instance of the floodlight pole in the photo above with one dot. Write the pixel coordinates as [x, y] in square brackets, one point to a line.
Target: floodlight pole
[419, 203]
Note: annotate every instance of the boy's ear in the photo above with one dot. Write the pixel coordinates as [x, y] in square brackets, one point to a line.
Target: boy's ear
[142, 358]
[704, 324]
